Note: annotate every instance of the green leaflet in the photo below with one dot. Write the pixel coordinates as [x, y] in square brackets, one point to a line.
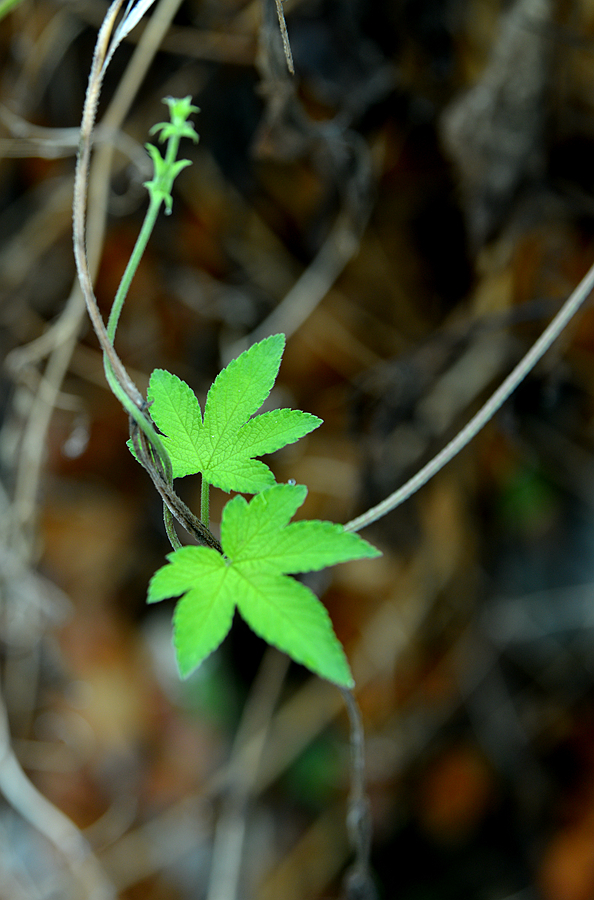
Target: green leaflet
[223, 444]
[261, 549]
[7, 6]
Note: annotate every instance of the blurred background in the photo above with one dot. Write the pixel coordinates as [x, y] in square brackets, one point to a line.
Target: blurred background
[411, 209]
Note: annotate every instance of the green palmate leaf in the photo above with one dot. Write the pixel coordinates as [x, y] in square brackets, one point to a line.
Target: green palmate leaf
[261, 534]
[223, 443]
[261, 549]
[204, 614]
[289, 616]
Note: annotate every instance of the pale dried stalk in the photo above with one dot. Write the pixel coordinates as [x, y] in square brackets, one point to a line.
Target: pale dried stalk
[102, 51]
[486, 412]
[46, 818]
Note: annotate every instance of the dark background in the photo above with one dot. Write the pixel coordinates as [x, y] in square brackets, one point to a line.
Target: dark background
[432, 161]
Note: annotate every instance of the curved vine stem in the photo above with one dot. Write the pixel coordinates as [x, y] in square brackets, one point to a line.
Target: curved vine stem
[150, 449]
[486, 412]
[80, 202]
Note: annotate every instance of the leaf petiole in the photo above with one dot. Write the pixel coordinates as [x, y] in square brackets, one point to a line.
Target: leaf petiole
[205, 502]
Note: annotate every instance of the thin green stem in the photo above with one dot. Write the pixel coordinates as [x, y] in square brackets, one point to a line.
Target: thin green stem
[170, 528]
[133, 263]
[205, 502]
[139, 417]
[157, 198]
[166, 170]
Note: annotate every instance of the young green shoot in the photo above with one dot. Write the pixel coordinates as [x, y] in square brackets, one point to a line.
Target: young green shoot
[166, 170]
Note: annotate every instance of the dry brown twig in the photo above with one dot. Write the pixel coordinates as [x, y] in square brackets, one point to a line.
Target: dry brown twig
[244, 765]
[46, 818]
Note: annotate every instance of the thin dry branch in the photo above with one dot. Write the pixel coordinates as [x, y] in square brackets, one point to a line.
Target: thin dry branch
[252, 734]
[486, 412]
[102, 50]
[46, 818]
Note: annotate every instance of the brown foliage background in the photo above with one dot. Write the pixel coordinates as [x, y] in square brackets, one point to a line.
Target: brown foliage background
[411, 209]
